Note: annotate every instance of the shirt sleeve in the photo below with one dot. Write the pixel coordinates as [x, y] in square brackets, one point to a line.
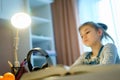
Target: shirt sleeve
[80, 60]
[109, 54]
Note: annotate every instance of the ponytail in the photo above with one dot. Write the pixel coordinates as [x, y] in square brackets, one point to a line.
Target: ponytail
[105, 34]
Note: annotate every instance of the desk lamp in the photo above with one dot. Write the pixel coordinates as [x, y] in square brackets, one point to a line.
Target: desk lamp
[19, 21]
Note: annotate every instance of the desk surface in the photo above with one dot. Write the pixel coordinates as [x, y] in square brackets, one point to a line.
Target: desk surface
[107, 72]
[109, 75]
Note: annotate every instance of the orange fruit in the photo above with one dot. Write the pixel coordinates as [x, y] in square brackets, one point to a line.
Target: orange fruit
[9, 76]
[1, 77]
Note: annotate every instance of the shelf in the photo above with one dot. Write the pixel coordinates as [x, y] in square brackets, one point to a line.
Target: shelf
[45, 1]
[39, 20]
[38, 57]
[36, 3]
[40, 38]
[38, 60]
[41, 28]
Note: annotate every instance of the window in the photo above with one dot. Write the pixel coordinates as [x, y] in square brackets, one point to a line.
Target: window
[106, 11]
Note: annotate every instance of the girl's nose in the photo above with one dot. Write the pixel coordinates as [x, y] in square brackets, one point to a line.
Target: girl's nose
[84, 37]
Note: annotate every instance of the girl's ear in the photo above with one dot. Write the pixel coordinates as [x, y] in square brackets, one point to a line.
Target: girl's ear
[100, 31]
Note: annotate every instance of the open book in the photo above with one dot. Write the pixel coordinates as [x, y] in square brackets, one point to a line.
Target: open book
[57, 71]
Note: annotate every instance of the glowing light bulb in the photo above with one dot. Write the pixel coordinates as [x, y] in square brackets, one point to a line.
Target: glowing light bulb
[21, 20]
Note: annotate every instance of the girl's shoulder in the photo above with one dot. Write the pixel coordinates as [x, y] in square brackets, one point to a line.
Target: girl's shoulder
[109, 45]
[109, 49]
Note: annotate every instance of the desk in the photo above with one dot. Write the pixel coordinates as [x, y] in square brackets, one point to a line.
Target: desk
[114, 74]
[107, 72]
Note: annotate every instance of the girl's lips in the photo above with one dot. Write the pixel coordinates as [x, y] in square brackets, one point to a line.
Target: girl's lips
[85, 40]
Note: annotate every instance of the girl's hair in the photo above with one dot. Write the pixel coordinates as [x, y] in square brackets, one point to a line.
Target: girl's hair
[97, 26]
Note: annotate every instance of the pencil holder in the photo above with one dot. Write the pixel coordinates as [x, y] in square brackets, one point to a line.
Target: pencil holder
[18, 72]
[15, 70]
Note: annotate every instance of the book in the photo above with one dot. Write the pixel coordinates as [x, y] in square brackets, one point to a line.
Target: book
[58, 71]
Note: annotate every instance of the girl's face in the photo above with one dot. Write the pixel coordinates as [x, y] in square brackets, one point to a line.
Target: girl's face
[90, 36]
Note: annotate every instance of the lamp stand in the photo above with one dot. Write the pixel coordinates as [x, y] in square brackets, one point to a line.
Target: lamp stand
[16, 63]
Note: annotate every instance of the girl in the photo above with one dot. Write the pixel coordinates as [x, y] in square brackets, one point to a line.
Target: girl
[92, 35]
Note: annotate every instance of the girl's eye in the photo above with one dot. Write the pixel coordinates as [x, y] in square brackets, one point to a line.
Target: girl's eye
[87, 32]
[81, 36]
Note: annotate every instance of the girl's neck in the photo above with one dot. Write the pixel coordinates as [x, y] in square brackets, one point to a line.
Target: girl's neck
[95, 49]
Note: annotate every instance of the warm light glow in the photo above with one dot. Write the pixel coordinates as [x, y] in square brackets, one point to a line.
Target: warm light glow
[21, 20]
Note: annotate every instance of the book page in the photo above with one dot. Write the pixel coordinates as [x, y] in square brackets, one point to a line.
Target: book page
[50, 71]
[81, 69]
[58, 71]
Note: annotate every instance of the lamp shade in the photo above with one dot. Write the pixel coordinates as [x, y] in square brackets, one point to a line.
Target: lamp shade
[21, 20]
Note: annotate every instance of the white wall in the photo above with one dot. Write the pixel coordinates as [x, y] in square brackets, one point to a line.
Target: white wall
[7, 9]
